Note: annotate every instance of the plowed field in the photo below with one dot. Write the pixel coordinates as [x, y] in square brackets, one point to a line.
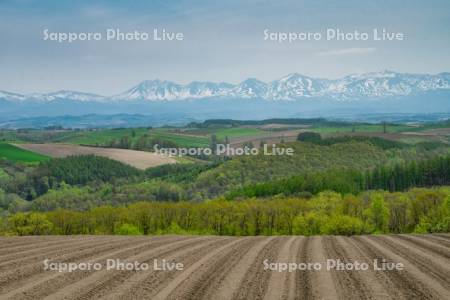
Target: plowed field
[216, 267]
[137, 159]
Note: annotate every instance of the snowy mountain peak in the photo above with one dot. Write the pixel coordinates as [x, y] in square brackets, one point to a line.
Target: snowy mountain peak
[11, 96]
[292, 87]
[54, 96]
[150, 90]
[68, 95]
[250, 88]
[293, 77]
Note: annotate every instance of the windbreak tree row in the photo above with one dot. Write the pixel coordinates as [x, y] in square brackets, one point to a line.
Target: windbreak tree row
[418, 210]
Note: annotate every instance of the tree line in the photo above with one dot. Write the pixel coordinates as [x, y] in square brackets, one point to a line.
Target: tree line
[385, 144]
[418, 210]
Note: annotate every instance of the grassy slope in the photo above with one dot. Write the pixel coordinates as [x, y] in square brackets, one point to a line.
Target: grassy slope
[238, 132]
[101, 137]
[98, 136]
[13, 153]
[222, 132]
[180, 139]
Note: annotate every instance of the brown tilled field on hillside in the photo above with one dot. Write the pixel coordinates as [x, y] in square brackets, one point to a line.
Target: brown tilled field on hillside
[225, 267]
[137, 159]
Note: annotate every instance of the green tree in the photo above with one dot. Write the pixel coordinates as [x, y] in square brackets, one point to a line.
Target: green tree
[378, 213]
[309, 137]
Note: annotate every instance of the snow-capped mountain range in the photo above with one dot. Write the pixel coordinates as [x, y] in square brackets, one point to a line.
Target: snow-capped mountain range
[289, 88]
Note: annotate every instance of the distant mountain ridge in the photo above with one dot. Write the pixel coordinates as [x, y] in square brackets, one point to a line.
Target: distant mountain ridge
[368, 86]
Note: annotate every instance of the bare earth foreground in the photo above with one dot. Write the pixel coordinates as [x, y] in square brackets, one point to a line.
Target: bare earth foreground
[225, 267]
[137, 159]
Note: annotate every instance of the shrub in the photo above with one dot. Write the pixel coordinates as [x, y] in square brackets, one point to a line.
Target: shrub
[30, 224]
[438, 220]
[309, 224]
[343, 225]
[128, 229]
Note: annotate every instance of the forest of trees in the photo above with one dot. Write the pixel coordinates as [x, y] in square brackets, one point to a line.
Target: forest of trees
[81, 183]
[330, 186]
[179, 172]
[397, 177]
[385, 144]
[430, 172]
[86, 168]
[72, 170]
[418, 210]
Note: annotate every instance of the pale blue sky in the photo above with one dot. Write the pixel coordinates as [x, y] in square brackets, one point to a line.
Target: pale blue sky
[224, 41]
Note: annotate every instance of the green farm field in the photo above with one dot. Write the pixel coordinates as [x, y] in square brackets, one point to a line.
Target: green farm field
[15, 154]
[101, 137]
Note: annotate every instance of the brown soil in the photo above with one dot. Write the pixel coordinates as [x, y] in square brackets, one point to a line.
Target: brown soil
[137, 159]
[226, 267]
